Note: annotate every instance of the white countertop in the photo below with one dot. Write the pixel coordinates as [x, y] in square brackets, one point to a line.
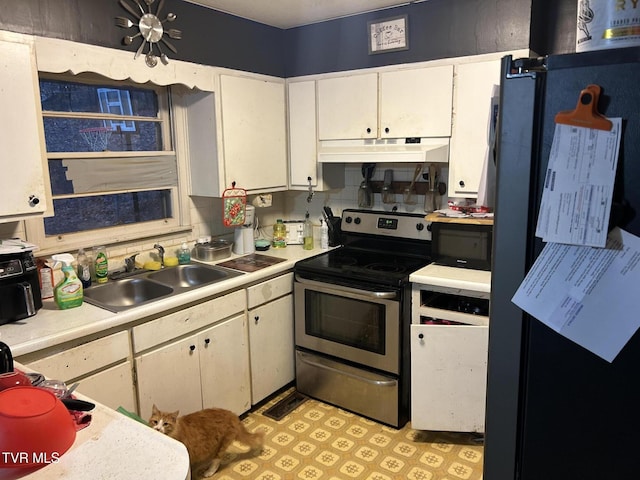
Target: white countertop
[453, 277]
[51, 326]
[113, 446]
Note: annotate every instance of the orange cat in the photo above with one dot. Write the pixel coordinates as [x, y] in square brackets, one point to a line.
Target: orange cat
[207, 434]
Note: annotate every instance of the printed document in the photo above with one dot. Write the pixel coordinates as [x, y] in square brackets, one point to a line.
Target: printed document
[588, 295]
[578, 187]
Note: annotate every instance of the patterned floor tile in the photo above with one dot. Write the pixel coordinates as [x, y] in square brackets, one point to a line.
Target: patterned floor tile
[321, 442]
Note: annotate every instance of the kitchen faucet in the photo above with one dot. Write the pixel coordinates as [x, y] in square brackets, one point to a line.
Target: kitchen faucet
[130, 263]
[160, 249]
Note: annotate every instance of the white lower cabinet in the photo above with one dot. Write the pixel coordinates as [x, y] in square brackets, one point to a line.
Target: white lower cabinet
[102, 368]
[271, 347]
[271, 344]
[111, 387]
[448, 377]
[204, 370]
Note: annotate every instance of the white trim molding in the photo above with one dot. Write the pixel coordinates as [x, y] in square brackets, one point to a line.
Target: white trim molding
[60, 56]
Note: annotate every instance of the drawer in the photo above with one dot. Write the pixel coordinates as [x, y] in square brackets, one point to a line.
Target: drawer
[270, 290]
[83, 359]
[185, 321]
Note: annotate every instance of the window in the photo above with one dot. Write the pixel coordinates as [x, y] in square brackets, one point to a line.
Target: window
[112, 168]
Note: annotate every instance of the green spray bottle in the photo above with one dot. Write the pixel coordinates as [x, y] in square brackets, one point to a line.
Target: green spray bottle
[68, 293]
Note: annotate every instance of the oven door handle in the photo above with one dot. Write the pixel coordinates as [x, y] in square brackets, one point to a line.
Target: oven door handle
[342, 288]
[378, 383]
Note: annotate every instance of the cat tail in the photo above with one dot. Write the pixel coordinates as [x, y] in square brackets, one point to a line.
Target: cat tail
[254, 440]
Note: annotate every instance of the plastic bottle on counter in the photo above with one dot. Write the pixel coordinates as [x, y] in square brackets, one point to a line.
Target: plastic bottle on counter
[279, 234]
[324, 235]
[101, 265]
[84, 269]
[307, 233]
[45, 273]
[184, 254]
[68, 292]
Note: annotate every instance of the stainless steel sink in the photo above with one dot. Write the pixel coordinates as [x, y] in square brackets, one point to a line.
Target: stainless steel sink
[127, 293]
[149, 286]
[185, 276]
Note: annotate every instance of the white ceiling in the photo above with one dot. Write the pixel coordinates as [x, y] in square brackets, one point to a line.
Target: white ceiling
[293, 13]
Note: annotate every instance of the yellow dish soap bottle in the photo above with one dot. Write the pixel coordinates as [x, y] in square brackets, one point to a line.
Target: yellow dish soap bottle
[68, 293]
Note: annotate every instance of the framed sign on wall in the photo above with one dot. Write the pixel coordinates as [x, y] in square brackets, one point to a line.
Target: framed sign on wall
[388, 35]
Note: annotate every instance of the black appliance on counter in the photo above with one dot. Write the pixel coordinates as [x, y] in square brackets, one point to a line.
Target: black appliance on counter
[556, 411]
[19, 286]
[353, 315]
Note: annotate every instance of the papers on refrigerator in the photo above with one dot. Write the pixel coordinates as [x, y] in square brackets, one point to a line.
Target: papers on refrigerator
[576, 199]
[588, 295]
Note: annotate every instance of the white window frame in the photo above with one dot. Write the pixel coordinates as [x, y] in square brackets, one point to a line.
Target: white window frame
[180, 220]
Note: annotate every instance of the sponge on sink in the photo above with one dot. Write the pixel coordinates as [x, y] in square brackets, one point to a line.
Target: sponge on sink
[170, 261]
[152, 265]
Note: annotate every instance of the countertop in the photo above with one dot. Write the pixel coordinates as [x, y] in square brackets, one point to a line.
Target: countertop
[51, 326]
[453, 277]
[113, 446]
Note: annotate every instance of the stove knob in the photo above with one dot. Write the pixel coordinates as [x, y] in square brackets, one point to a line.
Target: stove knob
[357, 221]
[348, 219]
[419, 227]
[429, 227]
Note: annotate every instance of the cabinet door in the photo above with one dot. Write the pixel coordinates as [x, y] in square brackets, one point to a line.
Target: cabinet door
[112, 387]
[348, 107]
[271, 347]
[23, 192]
[224, 366]
[416, 103]
[448, 377]
[470, 134]
[254, 133]
[170, 378]
[303, 158]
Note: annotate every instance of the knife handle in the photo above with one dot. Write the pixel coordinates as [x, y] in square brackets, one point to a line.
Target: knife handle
[78, 405]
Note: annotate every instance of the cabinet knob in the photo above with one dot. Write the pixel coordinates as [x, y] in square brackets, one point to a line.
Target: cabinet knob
[256, 319]
[207, 341]
[192, 347]
[386, 130]
[368, 130]
[421, 336]
[461, 183]
[33, 200]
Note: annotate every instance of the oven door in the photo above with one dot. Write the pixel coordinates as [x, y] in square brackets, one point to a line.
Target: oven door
[353, 324]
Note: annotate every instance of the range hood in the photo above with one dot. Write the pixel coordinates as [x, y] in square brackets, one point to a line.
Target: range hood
[395, 150]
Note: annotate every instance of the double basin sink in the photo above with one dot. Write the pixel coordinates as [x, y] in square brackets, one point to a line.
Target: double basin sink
[147, 286]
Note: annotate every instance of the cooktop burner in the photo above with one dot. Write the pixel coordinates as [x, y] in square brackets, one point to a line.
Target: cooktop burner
[378, 247]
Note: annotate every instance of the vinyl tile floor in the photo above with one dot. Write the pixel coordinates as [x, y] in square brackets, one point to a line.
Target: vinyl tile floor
[317, 441]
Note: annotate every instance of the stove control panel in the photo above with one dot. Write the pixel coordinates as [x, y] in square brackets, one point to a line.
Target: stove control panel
[390, 224]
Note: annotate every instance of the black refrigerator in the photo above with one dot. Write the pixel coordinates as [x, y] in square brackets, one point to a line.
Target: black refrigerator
[556, 411]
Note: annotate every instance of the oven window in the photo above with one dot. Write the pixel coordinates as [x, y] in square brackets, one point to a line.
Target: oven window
[356, 323]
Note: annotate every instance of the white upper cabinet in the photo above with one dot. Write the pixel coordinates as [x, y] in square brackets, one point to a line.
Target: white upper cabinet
[26, 186]
[234, 133]
[304, 169]
[254, 132]
[348, 107]
[472, 117]
[416, 103]
[395, 104]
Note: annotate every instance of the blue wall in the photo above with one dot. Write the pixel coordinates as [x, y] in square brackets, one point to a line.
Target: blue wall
[437, 29]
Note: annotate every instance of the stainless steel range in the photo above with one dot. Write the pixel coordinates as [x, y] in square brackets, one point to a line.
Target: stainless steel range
[353, 315]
